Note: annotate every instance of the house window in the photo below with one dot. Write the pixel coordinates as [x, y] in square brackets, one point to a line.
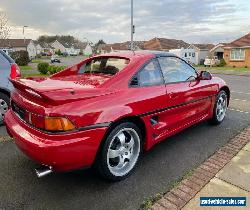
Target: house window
[237, 54]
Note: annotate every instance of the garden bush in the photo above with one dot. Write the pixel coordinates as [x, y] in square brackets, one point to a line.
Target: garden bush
[21, 57]
[43, 68]
[54, 69]
[222, 63]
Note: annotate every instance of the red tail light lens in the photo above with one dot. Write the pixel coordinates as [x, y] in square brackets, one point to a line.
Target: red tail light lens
[15, 71]
[53, 124]
[37, 121]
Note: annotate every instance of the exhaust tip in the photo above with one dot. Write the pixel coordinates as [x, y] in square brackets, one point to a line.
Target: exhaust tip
[43, 171]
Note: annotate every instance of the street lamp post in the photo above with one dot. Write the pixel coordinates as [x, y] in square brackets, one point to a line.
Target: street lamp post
[132, 26]
[23, 34]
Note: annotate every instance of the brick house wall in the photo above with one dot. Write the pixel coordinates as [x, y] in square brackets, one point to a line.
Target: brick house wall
[236, 63]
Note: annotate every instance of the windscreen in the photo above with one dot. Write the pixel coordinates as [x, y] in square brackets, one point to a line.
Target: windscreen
[104, 65]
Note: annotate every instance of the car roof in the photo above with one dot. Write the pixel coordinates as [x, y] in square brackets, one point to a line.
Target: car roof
[131, 54]
[8, 58]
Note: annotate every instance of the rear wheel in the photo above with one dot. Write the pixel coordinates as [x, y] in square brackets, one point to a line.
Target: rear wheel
[120, 152]
[4, 105]
[220, 108]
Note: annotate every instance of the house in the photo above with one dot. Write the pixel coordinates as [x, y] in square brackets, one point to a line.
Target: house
[162, 44]
[20, 44]
[202, 51]
[83, 47]
[237, 53]
[218, 50]
[119, 47]
[58, 46]
[47, 48]
[189, 55]
[39, 48]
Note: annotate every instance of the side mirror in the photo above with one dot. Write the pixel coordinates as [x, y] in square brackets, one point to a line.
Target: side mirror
[205, 75]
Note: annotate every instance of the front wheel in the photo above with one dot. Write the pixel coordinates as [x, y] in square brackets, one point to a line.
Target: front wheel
[120, 152]
[220, 108]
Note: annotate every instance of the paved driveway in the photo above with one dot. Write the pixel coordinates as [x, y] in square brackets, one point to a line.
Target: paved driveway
[158, 169]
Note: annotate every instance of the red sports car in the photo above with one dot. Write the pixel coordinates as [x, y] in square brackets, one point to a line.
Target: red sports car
[107, 109]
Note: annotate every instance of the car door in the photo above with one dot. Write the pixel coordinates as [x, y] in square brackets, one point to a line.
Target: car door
[188, 98]
[148, 90]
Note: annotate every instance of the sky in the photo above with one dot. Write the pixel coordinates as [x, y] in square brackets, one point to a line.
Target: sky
[194, 21]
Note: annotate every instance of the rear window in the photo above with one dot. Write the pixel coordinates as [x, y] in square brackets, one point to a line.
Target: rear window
[104, 65]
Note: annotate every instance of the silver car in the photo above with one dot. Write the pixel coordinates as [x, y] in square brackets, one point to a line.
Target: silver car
[8, 68]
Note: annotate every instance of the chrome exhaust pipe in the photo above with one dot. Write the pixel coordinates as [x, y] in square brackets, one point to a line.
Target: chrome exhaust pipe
[43, 171]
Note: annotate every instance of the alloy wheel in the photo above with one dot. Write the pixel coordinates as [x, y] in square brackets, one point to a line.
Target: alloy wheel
[221, 107]
[3, 109]
[123, 152]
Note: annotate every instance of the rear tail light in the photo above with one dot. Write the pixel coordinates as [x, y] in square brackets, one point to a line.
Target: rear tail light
[51, 124]
[14, 71]
[58, 124]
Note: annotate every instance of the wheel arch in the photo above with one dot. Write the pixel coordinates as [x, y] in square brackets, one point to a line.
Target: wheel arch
[5, 91]
[227, 90]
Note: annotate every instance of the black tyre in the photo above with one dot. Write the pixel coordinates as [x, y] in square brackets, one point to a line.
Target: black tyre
[220, 108]
[4, 105]
[120, 152]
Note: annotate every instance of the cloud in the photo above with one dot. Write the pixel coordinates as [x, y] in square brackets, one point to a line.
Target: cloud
[190, 20]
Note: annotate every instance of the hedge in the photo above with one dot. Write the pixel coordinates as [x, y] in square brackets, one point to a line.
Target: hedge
[21, 57]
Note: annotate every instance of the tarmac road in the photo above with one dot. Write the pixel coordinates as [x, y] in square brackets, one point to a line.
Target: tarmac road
[158, 169]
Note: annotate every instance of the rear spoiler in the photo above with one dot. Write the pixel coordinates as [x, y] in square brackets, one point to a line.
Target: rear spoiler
[28, 89]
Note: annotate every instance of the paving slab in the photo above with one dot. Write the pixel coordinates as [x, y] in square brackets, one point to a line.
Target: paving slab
[247, 147]
[217, 188]
[237, 171]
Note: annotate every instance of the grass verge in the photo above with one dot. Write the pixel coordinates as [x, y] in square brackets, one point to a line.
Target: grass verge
[25, 68]
[33, 75]
[37, 61]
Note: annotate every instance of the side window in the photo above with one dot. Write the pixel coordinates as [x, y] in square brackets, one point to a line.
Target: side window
[176, 70]
[150, 75]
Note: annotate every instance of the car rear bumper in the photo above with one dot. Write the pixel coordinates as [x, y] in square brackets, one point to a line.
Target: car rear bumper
[63, 152]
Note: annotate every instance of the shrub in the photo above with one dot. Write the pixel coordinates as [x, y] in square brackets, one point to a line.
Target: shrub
[58, 52]
[54, 69]
[246, 66]
[43, 68]
[39, 56]
[222, 63]
[21, 57]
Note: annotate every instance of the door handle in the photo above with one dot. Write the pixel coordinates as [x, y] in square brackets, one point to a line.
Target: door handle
[173, 95]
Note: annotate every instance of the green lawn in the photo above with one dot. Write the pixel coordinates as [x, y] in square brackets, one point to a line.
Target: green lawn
[24, 68]
[33, 75]
[37, 61]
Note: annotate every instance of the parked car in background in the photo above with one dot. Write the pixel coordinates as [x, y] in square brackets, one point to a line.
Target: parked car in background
[73, 54]
[55, 59]
[46, 54]
[107, 109]
[8, 69]
[214, 61]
